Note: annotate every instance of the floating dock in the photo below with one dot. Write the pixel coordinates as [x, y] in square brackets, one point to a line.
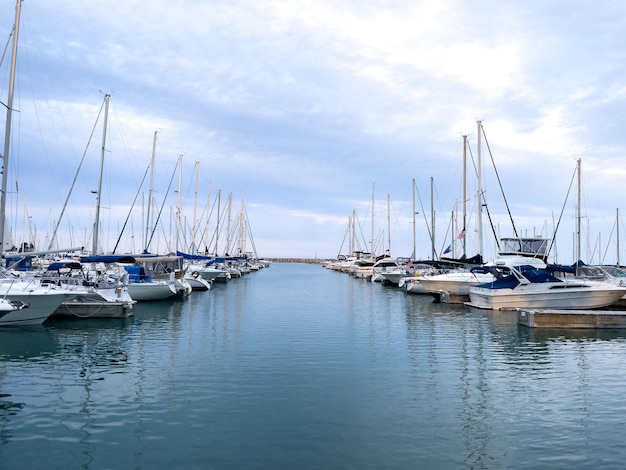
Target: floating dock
[598, 319]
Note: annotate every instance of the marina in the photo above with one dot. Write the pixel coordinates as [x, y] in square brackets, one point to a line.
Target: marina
[352, 374]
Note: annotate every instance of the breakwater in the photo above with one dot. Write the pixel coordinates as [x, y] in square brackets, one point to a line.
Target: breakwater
[296, 260]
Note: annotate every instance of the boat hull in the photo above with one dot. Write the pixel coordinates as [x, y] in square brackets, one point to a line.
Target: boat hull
[143, 291]
[453, 287]
[529, 296]
[37, 308]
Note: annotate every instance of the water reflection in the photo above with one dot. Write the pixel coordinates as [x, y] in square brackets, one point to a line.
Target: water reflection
[27, 343]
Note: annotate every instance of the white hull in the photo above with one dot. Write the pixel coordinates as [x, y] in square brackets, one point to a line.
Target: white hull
[197, 283]
[141, 291]
[453, 285]
[542, 296]
[37, 308]
[414, 286]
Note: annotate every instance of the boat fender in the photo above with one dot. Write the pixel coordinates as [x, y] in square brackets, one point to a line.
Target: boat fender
[195, 274]
[621, 283]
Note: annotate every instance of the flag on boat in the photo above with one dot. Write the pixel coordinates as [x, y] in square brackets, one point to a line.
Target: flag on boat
[461, 234]
[447, 250]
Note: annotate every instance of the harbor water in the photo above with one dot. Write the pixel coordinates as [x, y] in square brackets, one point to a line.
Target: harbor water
[299, 367]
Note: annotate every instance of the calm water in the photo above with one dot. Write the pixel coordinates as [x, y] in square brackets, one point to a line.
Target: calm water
[298, 367]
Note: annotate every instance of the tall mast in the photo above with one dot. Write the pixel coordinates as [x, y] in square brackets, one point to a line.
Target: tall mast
[178, 207]
[617, 234]
[228, 237]
[242, 229]
[578, 216]
[464, 193]
[372, 239]
[205, 240]
[219, 215]
[480, 190]
[195, 213]
[414, 214]
[96, 225]
[388, 224]
[7, 133]
[432, 219]
[149, 209]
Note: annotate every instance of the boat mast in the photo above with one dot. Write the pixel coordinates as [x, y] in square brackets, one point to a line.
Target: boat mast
[228, 221]
[414, 214]
[617, 234]
[96, 225]
[388, 225]
[219, 215]
[7, 132]
[149, 209]
[242, 229]
[464, 193]
[578, 216]
[480, 190]
[178, 207]
[372, 239]
[194, 248]
[432, 219]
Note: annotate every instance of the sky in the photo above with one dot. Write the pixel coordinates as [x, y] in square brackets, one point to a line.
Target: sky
[313, 117]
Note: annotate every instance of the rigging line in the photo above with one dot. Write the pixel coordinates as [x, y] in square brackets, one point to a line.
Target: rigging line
[608, 241]
[345, 235]
[561, 214]
[419, 197]
[156, 222]
[483, 196]
[130, 211]
[82, 160]
[6, 46]
[506, 203]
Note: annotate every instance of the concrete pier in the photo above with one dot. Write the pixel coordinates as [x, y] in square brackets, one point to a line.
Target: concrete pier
[572, 318]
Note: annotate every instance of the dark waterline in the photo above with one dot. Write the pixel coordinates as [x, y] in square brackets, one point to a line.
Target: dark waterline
[301, 367]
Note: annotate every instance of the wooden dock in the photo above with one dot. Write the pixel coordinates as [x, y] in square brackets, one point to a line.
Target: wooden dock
[594, 319]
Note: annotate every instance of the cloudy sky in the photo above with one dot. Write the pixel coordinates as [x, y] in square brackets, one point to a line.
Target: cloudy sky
[312, 111]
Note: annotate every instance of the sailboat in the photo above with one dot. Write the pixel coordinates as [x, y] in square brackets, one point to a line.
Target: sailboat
[34, 303]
